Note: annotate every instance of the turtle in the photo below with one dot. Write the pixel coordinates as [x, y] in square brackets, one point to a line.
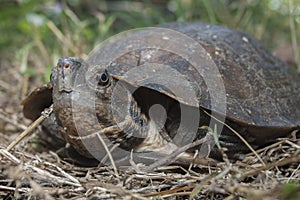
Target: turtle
[152, 99]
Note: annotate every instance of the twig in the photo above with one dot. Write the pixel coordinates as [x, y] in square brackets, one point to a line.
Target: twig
[65, 174]
[293, 173]
[292, 144]
[151, 187]
[25, 133]
[270, 165]
[111, 150]
[48, 175]
[267, 147]
[237, 134]
[281, 141]
[109, 155]
[42, 172]
[104, 187]
[166, 192]
[170, 158]
[9, 156]
[2, 187]
[176, 194]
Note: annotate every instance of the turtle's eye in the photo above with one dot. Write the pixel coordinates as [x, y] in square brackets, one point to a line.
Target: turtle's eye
[103, 79]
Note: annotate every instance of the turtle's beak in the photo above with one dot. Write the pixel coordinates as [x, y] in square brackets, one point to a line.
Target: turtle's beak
[66, 73]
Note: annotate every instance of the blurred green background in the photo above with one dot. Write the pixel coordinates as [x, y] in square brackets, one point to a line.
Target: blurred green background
[35, 33]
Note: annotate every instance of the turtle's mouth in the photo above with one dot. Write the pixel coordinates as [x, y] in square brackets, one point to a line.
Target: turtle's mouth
[65, 84]
[65, 89]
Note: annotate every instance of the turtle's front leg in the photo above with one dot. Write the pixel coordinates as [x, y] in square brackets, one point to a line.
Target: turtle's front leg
[52, 135]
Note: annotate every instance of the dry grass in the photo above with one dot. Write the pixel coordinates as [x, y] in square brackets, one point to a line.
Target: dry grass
[30, 174]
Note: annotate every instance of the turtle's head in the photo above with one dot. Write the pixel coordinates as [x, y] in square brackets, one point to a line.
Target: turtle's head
[64, 74]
